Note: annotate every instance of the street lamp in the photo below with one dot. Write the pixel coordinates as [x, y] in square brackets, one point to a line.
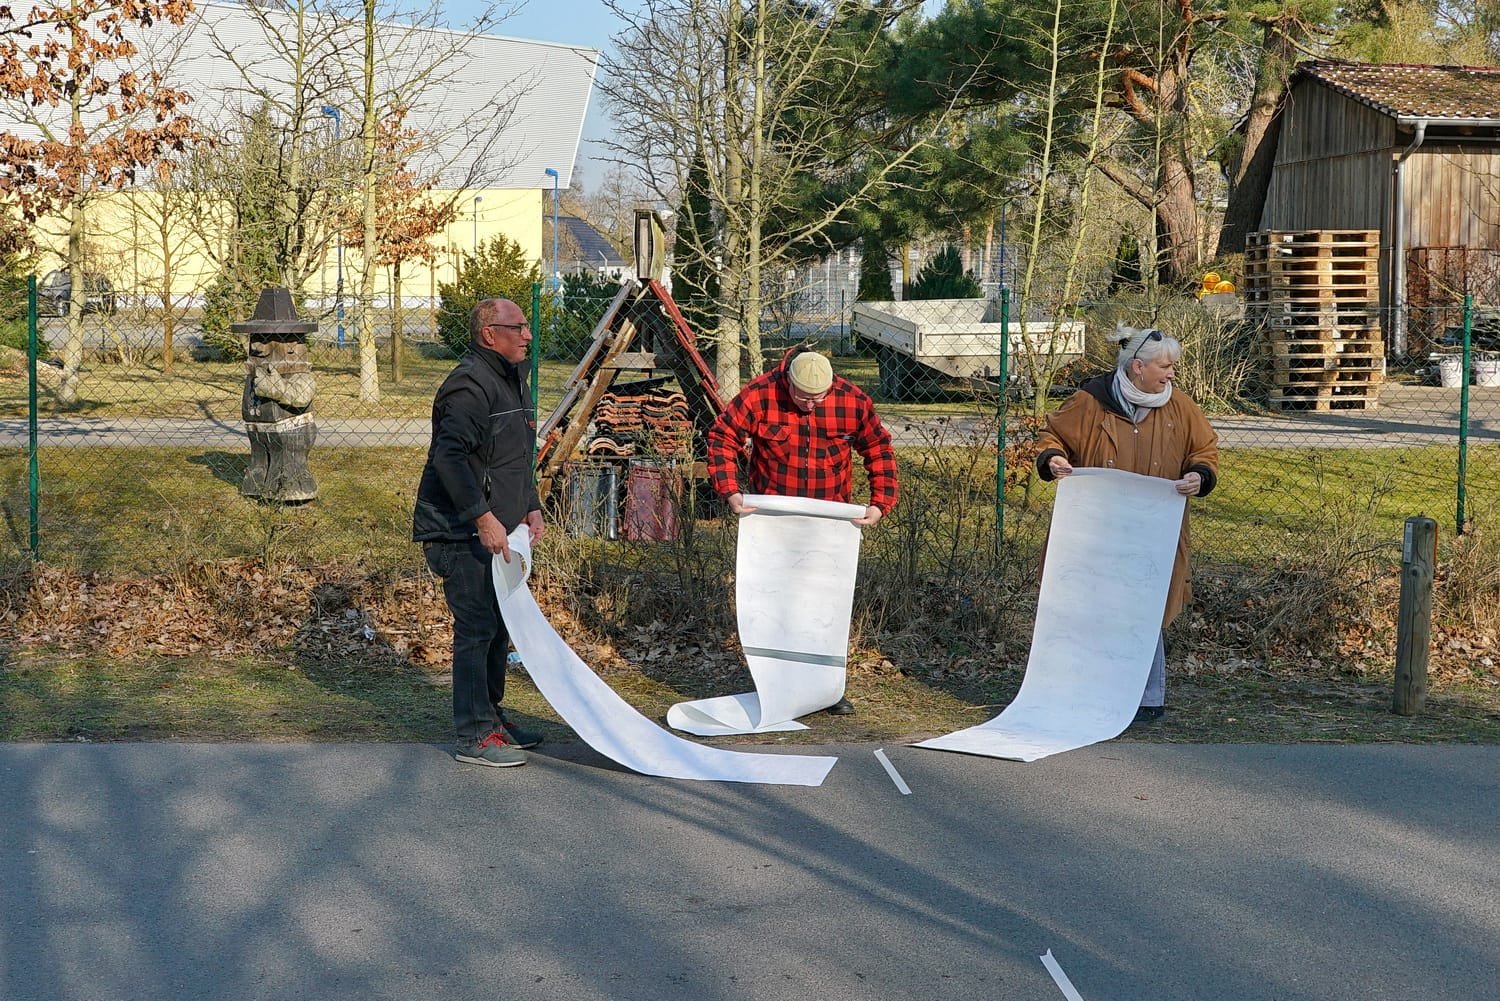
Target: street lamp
[556, 274]
[477, 200]
[338, 288]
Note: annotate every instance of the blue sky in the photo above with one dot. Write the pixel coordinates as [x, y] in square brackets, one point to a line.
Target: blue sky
[573, 22]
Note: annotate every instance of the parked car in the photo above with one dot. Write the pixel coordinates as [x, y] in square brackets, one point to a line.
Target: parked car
[55, 292]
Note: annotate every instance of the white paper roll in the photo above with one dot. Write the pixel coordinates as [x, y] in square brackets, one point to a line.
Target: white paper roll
[794, 594]
[1098, 617]
[607, 722]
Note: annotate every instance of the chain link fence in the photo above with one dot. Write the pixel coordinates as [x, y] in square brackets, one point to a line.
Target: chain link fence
[1319, 431]
[1314, 423]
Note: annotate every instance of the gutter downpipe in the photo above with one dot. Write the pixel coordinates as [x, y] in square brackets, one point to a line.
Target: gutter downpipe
[1398, 243]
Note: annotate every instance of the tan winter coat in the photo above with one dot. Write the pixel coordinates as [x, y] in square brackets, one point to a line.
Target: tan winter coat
[1171, 441]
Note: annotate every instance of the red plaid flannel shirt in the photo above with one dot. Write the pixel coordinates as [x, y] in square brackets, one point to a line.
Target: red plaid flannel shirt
[796, 454]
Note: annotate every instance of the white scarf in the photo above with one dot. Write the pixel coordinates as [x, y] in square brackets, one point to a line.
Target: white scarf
[1135, 401]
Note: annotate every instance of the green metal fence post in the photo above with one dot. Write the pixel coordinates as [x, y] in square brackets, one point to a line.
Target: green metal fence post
[33, 472]
[1463, 412]
[536, 352]
[1000, 418]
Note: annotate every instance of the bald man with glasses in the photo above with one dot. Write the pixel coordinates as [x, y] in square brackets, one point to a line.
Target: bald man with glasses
[478, 485]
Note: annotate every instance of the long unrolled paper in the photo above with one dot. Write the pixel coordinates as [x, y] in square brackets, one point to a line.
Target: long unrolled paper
[1104, 586]
[794, 594]
[606, 721]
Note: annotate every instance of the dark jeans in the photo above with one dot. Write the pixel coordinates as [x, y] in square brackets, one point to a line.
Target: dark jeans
[1156, 682]
[480, 639]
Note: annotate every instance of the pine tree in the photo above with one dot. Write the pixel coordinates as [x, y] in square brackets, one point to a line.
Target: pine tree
[499, 269]
[944, 277]
[252, 263]
[695, 276]
[874, 271]
[1125, 276]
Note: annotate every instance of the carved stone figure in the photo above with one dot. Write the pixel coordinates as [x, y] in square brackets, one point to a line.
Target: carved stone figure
[278, 399]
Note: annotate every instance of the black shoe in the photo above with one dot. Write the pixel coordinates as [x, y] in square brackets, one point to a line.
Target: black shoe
[1149, 714]
[843, 707]
[520, 736]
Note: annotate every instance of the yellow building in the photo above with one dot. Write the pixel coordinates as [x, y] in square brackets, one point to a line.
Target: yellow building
[498, 118]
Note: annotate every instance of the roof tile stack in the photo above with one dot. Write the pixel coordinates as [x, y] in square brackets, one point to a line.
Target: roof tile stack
[653, 423]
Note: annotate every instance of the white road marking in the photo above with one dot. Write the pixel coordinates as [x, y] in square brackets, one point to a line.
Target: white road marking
[891, 771]
[1060, 978]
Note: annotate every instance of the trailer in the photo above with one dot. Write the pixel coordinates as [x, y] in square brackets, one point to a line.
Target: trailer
[924, 345]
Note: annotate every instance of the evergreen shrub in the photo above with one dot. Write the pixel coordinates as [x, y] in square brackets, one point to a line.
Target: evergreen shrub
[499, 269]
[944, 277]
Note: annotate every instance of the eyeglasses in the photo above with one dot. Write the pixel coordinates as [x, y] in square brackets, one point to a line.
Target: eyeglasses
[1153, 335]
[510, 326]
[802, 397]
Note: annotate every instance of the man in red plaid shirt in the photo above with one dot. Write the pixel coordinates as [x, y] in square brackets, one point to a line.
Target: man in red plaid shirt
[799, 425]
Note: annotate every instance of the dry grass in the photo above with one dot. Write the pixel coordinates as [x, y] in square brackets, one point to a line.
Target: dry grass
[246, 623]
[229, 651]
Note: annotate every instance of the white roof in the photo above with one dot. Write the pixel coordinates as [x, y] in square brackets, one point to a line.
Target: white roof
[496, 112]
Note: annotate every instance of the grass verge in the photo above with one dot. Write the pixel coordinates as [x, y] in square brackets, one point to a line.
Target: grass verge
[213, 389]
[171, 608]
[49, 698]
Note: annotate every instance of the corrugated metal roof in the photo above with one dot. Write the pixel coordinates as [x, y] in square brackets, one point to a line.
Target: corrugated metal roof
[1409, 91]
[499, 111]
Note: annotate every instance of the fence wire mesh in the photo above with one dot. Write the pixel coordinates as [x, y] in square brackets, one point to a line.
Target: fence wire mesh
[141, 417]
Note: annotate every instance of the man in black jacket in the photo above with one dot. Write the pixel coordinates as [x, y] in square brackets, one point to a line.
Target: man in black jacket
[479, 484]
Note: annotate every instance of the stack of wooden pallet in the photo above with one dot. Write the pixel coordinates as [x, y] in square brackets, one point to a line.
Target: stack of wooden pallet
[1316, 294]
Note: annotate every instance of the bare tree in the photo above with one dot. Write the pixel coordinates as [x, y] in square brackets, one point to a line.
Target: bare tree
[331, 74]
[1043, 352]
[775, 99]
[163, 211]
[404, 62]
[610, 204]
[91, 114]
[410, 212]
[277, 140]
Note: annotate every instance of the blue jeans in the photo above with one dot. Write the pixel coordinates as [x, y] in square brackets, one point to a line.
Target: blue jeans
[480, 639]
[1156, 682]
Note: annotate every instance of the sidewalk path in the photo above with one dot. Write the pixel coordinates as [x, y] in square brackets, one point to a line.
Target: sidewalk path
[1165, 872]
[1410, 416]
[196, 432]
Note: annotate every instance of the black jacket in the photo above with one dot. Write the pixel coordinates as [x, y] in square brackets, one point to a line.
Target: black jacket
[481, 456]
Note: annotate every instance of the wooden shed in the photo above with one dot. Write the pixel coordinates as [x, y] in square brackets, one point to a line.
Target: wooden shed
[1412, 152]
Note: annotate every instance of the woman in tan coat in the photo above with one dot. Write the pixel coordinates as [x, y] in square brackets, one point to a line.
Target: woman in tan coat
[1133, 419]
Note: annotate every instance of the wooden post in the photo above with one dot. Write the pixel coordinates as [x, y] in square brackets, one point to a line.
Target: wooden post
[1414, 621]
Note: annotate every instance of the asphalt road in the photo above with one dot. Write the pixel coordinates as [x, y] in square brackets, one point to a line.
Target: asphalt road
[1164, 872]
[1409, 415]
[1338, 430]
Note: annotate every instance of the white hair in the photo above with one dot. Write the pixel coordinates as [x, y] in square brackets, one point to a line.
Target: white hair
[1137, 342]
